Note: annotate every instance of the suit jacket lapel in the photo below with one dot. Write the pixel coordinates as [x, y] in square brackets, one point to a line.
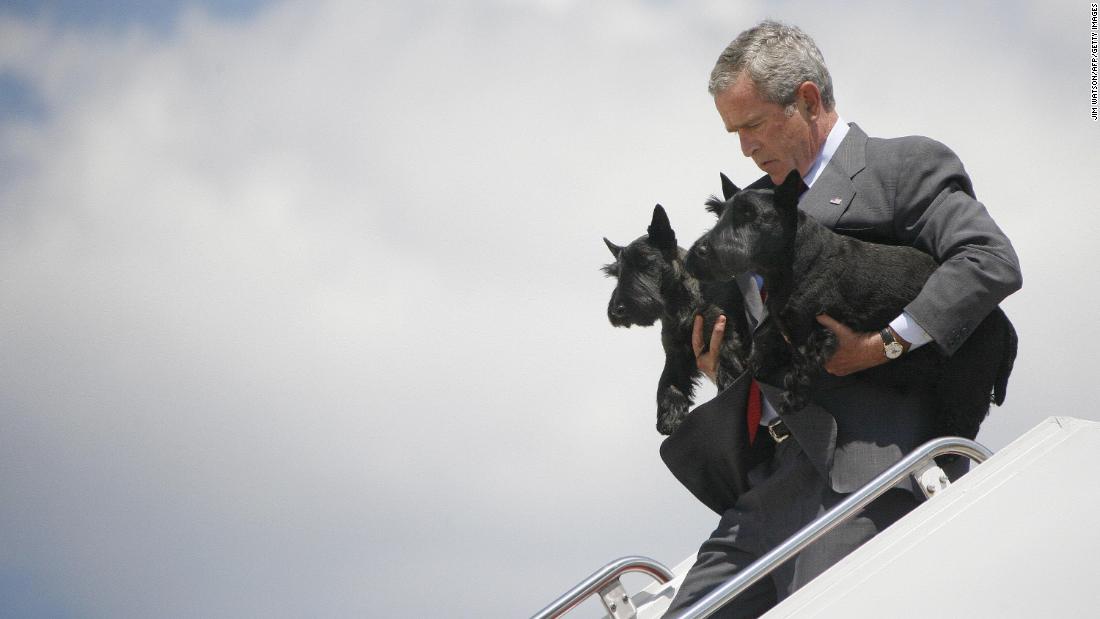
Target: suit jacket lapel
[833, 191]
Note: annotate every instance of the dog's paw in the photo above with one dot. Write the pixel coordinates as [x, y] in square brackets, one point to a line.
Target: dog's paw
[672, 408]
[794, 395]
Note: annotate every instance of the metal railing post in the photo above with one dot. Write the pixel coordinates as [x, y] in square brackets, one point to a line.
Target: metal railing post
[600, 579]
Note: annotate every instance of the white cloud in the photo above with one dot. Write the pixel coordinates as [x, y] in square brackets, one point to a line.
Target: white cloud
[302, 314]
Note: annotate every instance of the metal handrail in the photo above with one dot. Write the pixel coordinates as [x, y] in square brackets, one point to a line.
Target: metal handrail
[825, 523]
[600, 579]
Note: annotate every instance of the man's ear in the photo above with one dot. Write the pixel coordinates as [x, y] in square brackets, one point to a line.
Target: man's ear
[660, 231]
[728, 188]
[615, 249]
[811, 98]
[788, 193]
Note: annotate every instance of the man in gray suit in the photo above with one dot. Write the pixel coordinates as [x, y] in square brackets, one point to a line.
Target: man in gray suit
[772, 90]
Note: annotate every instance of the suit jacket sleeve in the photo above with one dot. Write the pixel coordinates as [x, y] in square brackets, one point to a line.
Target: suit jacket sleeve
[937, 212]
[707, 453]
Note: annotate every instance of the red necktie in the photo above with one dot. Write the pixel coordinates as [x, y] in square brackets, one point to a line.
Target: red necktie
[753, 410]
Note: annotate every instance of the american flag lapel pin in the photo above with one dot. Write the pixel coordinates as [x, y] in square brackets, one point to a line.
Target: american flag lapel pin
[835, 201]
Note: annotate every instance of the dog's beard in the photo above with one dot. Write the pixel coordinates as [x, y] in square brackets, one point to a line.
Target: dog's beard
[635, 316]
[644, 307]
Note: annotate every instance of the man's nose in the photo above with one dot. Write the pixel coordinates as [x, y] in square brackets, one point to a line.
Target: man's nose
[748, 145]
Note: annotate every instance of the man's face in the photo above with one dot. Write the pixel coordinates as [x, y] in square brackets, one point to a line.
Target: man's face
[776, 141]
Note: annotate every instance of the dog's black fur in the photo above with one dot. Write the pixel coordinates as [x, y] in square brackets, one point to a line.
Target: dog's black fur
[810, 270]
[654, 285]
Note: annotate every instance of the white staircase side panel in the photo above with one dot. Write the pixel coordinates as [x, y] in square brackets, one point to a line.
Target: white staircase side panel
[1019, 536]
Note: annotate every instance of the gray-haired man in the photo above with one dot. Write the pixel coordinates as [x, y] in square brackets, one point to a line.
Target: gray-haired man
[772, 89]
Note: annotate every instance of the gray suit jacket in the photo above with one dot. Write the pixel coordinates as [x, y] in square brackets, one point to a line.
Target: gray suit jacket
[912, 191]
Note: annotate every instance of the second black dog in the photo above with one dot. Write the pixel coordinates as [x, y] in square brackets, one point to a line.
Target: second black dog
[811, 270]
[654, 285]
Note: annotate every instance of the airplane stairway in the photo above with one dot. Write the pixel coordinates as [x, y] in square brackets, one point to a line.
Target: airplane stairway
[1018, 536]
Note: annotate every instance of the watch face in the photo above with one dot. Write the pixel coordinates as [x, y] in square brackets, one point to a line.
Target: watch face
[894, 350]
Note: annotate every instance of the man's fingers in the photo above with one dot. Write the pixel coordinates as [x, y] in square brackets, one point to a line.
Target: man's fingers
[697, 335]
[716, 335]
[854, 351]
[841, 330]
[827, 321]
[708, 362]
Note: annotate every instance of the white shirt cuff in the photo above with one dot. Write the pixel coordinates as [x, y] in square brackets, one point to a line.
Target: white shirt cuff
[910, 331]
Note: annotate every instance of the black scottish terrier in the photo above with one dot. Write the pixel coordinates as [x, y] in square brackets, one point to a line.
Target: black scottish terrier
[808, 270]
[654, 285]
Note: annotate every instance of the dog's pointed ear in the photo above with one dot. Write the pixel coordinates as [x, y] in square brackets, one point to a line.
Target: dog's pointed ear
[615, 249]
[660, 231]
[728, 188]
[788, 193]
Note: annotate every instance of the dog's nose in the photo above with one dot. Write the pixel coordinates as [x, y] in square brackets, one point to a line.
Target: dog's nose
[618, 310]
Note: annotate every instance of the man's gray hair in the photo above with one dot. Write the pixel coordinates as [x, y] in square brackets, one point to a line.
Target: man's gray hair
[778, 59]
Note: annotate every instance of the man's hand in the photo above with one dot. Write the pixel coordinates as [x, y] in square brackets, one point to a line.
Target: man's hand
[708, 363]
[854, 351]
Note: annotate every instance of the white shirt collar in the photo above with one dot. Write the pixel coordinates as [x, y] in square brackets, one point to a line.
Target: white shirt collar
[836, 136]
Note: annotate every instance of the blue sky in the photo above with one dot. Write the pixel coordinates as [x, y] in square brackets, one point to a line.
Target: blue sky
[19, 100]
[114, 14]
[301, 303]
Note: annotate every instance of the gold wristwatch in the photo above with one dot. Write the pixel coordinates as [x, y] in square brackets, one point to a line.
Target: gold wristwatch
[892, 344]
